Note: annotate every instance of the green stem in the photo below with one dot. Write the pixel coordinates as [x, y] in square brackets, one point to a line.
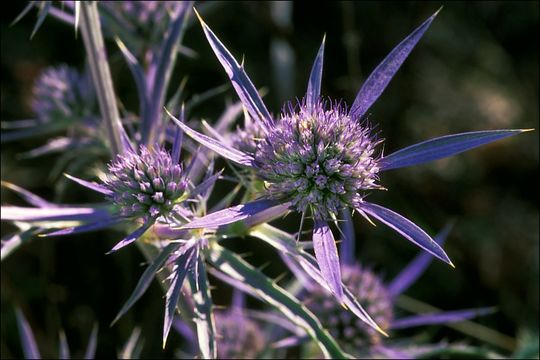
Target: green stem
[101, 75]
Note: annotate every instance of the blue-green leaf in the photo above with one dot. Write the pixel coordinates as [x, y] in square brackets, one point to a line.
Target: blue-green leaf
[267, 290]
[204, 318]
[146, 279]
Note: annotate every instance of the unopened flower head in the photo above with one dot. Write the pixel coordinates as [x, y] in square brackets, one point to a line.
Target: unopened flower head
[318, 158]
[62, 92]
[352, 333]
[145, 20]
[246, 139]
[145, 185]
[239, 336]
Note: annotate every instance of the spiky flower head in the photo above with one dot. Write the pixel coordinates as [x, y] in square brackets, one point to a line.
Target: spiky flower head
[62, 92]
[145, 185]
[246, 138]
[352, 333]
[146, 21]
[318, 157]
[239, 337]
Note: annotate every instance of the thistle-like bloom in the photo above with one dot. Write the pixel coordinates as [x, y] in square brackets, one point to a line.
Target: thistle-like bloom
[239, 337]
[378, 298]
[63, 92]
[146, 21]
[323, 158]
[374, 297]
[318, 159]
[145, 185]
[62, 99]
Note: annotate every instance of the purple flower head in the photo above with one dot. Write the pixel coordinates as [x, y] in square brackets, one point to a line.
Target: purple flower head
[351, 332]
[62, 92]
[142, 16]
[322, 157]
[318, 158]
[246, 139]
[145, 185]
[239, 337]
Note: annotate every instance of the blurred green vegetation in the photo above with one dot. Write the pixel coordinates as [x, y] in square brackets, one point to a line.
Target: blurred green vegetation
[475, 69]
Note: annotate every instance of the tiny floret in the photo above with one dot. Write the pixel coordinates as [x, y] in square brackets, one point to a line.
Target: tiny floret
[145, 185]
[318, 158]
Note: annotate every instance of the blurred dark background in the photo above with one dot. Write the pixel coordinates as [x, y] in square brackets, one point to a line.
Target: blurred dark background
[475, 69]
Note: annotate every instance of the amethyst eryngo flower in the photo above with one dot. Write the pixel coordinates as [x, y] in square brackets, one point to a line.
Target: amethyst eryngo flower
[63, 92]
[239, 337]
[141, 24]
[379, 298]
[145, 185]
[321, 157]
[62, 98]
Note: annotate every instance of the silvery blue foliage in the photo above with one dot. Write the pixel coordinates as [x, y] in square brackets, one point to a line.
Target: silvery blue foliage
[318, 157]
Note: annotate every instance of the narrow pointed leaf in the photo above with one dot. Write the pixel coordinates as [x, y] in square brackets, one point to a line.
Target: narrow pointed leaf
[267, 290]
[129, 349]
[178, 137]
[327, 257]
[204, 317]
[25, 11]
[213, 144]
[289, 342]
[90, 185]
[267, 215]
[138, 75]
[440, 318]
[132, 237]
[13, 242]
[183, 264]
[77, 16]
[205, 185]
[163, 67]
[53, 214]
[347, 245]
[90, 351]
[63, 16]
[28, 340]
[102, 224]
[63, 350]
[415, 268]
[385, 71]
[230, 215]
[241, 82]
[407, 229]
[314, 85]
[35, 131]
[29, 197]
[286, 243]
[58, 145]
[43, 12]
[442, 147]
[146, 279]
